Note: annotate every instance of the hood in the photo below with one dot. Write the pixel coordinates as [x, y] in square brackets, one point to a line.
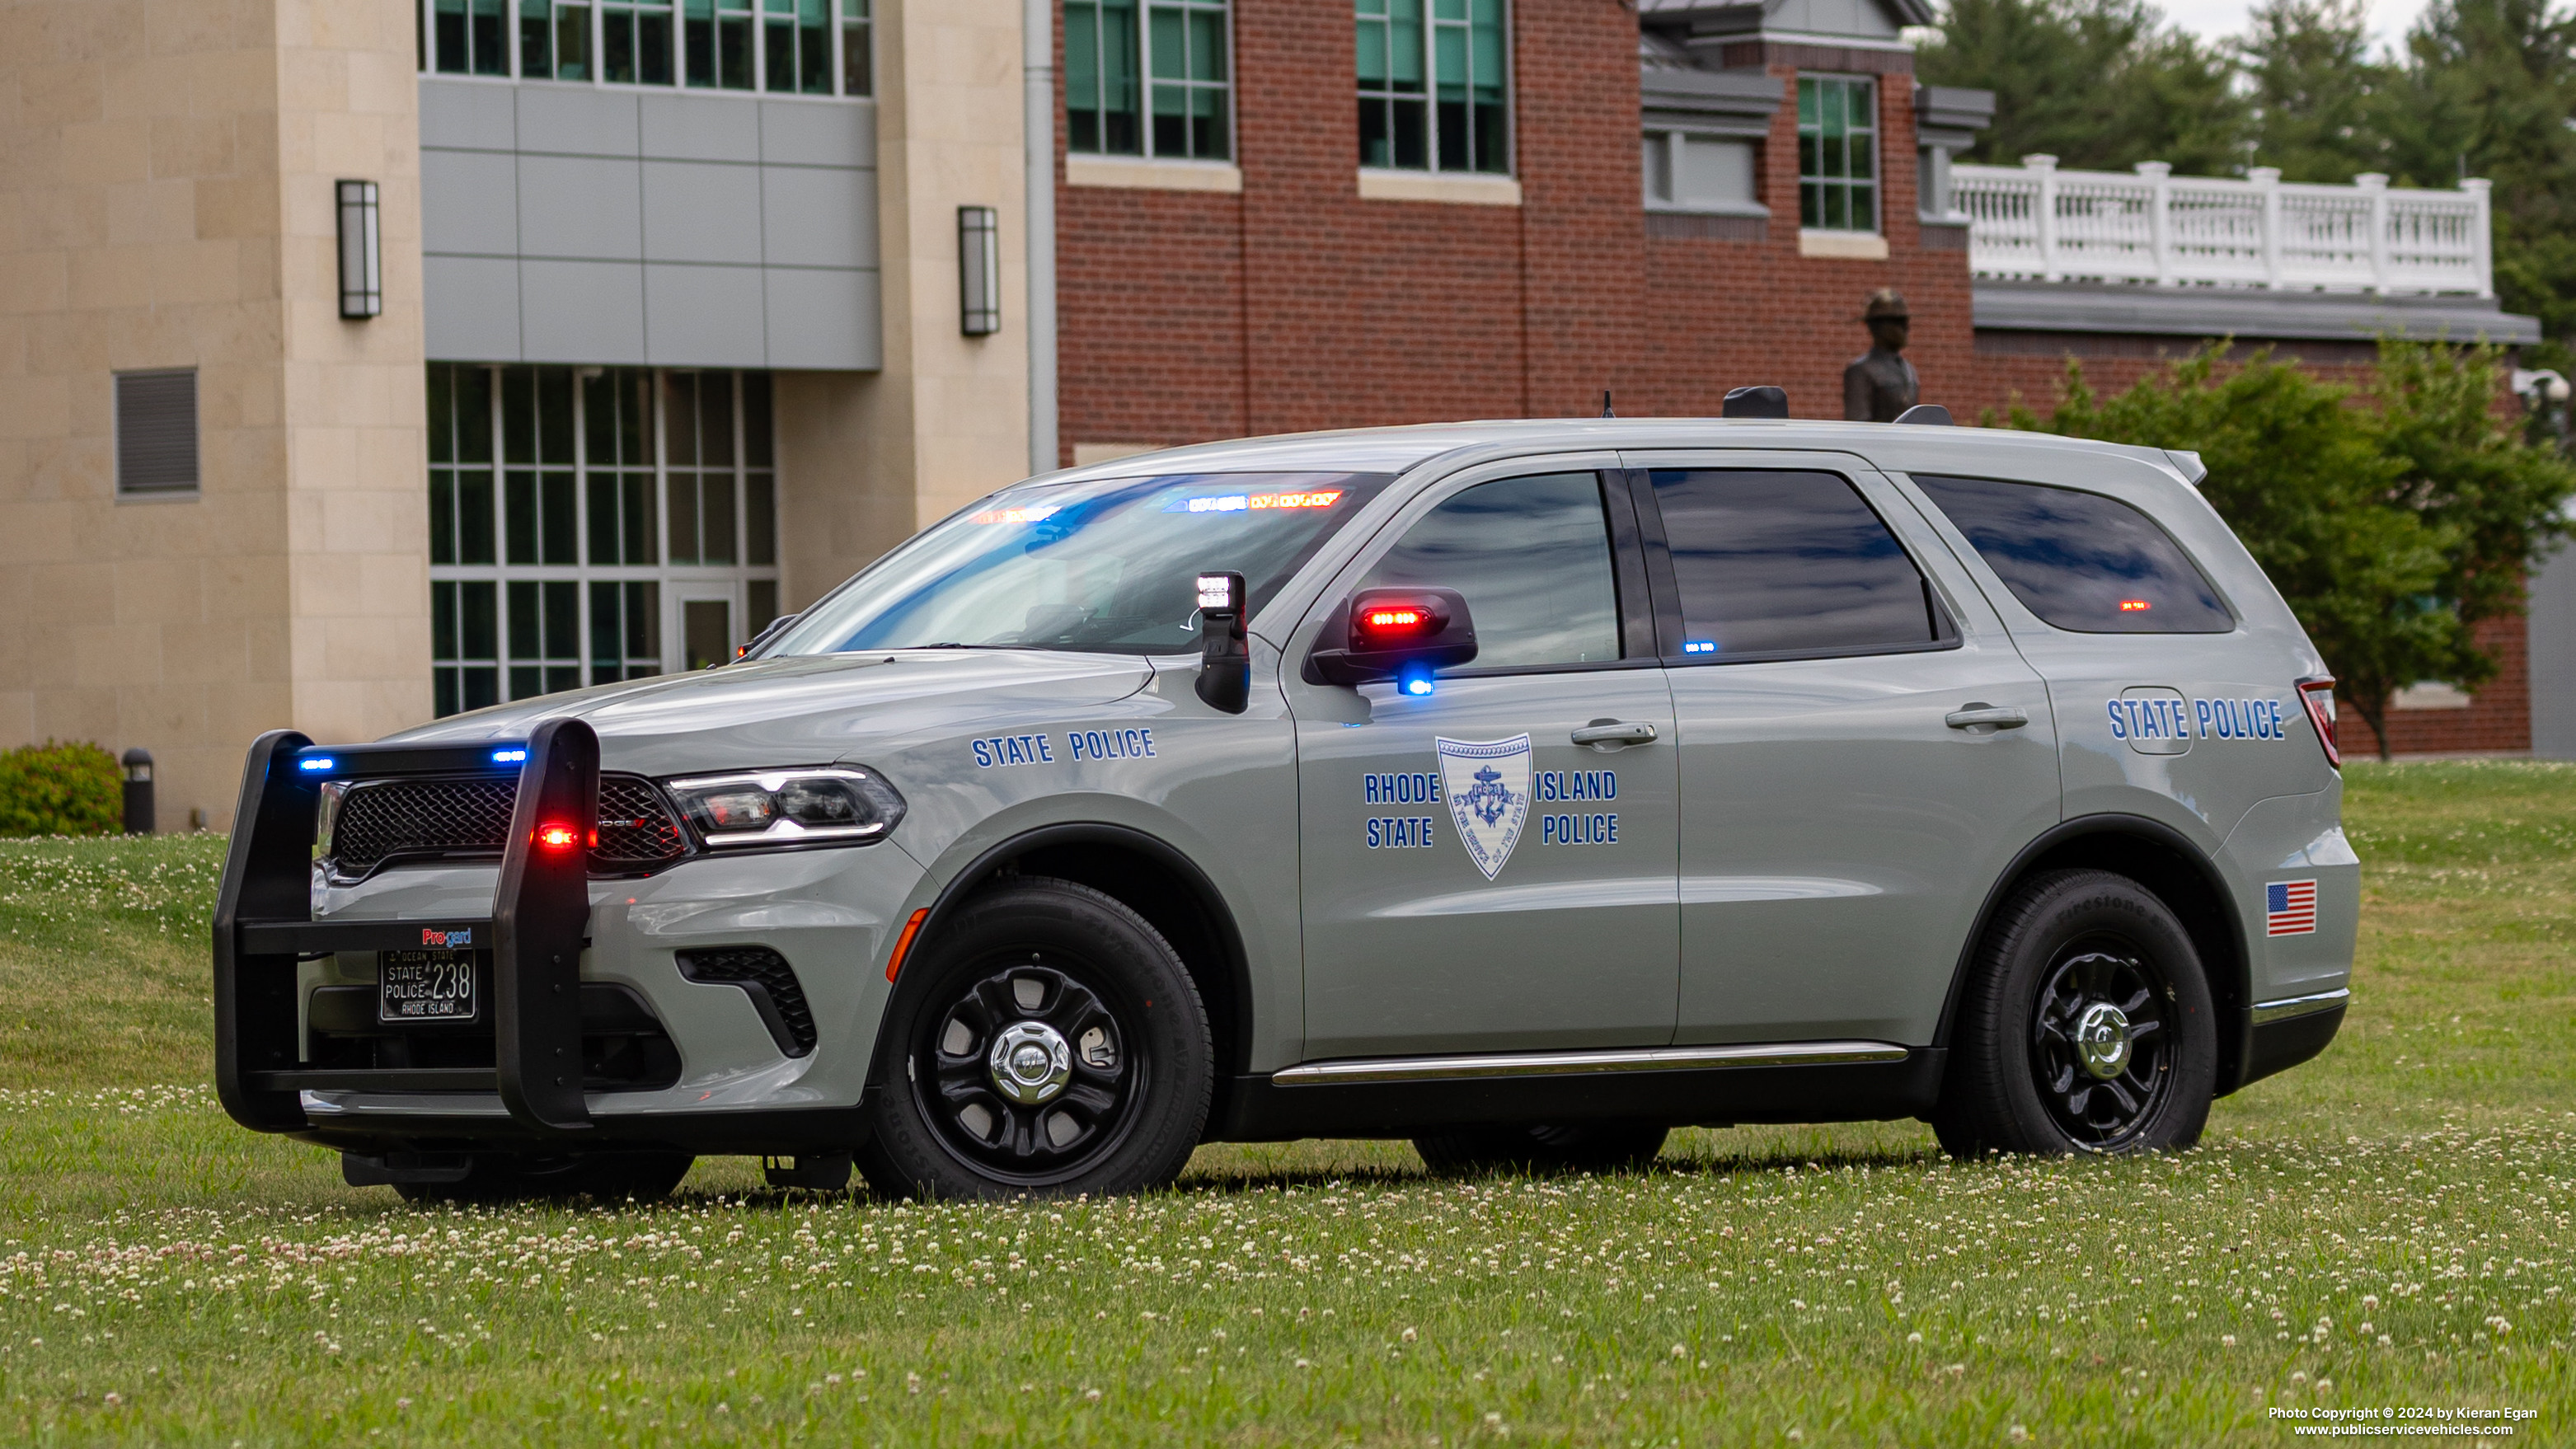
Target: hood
[810, 710]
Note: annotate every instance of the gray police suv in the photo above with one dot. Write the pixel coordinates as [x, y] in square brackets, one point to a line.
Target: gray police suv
[1523, 789]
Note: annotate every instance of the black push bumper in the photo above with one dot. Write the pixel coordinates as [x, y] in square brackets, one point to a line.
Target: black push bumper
[540, 912]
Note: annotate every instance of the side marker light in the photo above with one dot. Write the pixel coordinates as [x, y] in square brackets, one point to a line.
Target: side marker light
[903, 943]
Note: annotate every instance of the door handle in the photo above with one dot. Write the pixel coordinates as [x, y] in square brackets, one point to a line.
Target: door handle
[1610, 734]
[1981, 715]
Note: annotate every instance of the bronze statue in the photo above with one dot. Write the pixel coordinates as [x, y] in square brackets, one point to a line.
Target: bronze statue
[1880, 384]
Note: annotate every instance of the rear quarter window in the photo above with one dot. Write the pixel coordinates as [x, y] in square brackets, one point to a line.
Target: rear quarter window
[2081, 561]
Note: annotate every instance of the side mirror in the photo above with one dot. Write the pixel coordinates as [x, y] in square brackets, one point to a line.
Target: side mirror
[1399, 634]
[1225, 654]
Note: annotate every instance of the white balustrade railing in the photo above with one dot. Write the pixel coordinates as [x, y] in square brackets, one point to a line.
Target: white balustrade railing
[2038, 222]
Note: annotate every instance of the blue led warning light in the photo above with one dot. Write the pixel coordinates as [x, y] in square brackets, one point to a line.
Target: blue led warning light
[319, 762]
[509, 757]
[1414, 678]
[1699, 646]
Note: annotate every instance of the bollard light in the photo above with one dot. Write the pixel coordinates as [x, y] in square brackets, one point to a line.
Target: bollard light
[138, 791]
[362, 284]
[979, 271]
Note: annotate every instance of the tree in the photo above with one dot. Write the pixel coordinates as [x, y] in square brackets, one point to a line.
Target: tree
[2486, 91]
[2096, 83]
[2393, 520]
[2318, 98]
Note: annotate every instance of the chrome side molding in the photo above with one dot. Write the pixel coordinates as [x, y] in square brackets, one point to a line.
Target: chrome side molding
[1553, 1064]
[2267, 1012]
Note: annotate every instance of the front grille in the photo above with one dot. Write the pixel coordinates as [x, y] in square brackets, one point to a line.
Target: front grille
[635, 827]
[769, 981]
[420, 817]
[393, 819]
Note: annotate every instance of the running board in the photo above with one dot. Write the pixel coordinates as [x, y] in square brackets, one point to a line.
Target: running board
[2291, 1007]
[1559, 1064]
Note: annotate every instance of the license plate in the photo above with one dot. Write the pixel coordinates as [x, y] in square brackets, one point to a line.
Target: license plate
[425, 986]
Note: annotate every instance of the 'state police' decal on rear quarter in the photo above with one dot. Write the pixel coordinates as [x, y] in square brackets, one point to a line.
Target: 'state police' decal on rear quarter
[2154, 718]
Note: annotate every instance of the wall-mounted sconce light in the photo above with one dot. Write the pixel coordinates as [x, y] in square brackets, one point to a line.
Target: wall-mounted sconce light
[362, 281]
[979, 271]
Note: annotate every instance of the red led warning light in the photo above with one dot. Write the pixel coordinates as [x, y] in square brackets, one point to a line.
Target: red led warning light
[558, 837]
[1394, 618]
[2134, 606]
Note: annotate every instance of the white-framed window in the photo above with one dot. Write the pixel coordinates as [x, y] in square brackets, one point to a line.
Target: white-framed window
[1149, 78]
[595, 524]
[1837, 153]
[784, 47]
[1434, 85]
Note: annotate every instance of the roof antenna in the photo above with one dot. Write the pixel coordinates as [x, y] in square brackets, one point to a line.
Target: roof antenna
[1605, 404]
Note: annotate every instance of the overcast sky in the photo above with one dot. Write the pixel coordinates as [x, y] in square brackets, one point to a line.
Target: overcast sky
[2218, 19]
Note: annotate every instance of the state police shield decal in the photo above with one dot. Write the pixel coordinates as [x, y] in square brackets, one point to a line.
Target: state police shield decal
[1488, 786]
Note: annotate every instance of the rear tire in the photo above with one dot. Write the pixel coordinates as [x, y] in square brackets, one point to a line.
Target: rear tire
[1048, 1042]
[2086, 1027]
[1543, 1148]
[604, 1177]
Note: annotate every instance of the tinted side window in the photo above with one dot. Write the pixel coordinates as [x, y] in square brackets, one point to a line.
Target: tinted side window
[1773, 564]
[2081, 561]
[1532, 557]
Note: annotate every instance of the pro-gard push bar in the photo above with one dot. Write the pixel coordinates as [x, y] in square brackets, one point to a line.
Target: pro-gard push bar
[540, 913]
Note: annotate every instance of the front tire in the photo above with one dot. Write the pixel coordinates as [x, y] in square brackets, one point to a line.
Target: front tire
[1543, 1148]
[2086, 1027]
[1050, 1041]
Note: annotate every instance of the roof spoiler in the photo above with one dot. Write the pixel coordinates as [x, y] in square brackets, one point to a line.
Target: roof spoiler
[2188, 463]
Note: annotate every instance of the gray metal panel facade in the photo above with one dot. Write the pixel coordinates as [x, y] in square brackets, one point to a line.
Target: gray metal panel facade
[2553, 658]
[570, 223]
[478, 306]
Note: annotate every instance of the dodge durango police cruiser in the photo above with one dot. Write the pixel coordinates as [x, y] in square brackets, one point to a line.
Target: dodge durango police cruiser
[1523, 789]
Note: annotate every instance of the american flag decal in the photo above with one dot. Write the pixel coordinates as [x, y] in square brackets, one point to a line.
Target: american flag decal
[2290, 908]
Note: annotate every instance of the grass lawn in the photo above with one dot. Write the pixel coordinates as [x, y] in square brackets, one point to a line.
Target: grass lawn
[2392, 1225]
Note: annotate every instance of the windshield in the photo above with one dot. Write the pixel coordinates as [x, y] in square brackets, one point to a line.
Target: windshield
[1110, 564]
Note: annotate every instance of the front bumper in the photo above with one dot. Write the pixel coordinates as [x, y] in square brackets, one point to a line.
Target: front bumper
[704, 1067]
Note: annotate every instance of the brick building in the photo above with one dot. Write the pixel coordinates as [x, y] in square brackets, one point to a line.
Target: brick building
[367, 359]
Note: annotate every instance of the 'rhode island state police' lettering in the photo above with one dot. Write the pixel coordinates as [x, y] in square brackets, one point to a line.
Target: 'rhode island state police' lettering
[1399, 789]
[1400, 832]
[1575, 785]
[1133, 744]
[2157, 718]
[1578, 829]
[1012, 750]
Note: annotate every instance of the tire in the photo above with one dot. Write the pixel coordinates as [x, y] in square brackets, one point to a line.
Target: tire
[1049, 1042]
[1541, 1148]
[605, 1177]
[2086, 1027]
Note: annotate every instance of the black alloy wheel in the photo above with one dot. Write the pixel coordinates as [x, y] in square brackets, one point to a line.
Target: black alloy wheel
[2098, 1038]
[1048, 1041]
[2084, 1026]
[1025, 1073]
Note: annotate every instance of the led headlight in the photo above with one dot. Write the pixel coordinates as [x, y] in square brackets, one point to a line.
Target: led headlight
[788, 807]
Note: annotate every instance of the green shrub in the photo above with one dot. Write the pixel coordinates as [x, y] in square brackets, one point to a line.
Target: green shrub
[52, 789]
